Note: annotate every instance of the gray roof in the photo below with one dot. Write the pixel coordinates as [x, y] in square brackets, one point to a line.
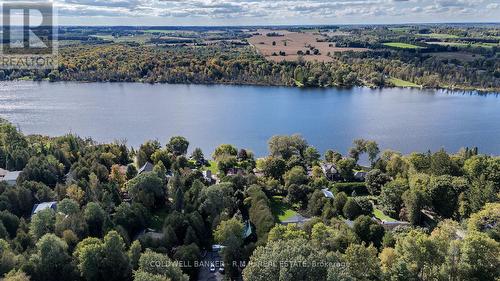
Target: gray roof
[45, 205]
[297, 219]
[3, 172]
[327, 193]
[328, 168]
[11, 176]
[148, 167]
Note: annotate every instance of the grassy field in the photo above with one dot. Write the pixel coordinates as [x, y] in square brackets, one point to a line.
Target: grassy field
[402, 83]
[280, 209]
[463, 44]
[439, 36]
[381, 216]
[402, 45]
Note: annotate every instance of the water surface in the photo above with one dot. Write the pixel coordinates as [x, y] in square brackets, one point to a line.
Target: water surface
[246, 116]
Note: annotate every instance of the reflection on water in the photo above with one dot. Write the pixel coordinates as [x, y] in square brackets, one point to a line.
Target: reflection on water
[402, 119]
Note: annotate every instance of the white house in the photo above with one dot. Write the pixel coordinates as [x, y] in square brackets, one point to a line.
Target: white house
[11, 177]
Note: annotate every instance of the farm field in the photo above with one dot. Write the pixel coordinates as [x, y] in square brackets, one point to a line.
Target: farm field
[402, 45]
[292, 42]
[439, 36]
[463, 44]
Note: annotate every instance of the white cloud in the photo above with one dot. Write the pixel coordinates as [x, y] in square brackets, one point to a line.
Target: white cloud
[244, 12]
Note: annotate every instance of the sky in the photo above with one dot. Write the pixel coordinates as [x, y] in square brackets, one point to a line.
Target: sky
[273, 12]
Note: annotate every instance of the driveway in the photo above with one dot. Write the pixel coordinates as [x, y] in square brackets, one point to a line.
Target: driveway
[204, 274]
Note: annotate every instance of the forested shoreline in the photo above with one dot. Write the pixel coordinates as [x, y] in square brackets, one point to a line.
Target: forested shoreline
[75, 209]
[244, 66]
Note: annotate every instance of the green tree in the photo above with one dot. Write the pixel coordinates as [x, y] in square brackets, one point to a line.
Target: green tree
[486, 221]
[345, 167]
[332, 156]
[391, 197]
[339, 202]
[479, 258]
[374, 181]
[51, 259]
[273, 167]
[147, 189]
[224, 150]
[134, 253]
[95, 217]
[42, 223]
[131, 171]
[228, 228]
[368, 230]
[362, 262]
[311, 155]
[197, 154]
[286, 146]
[44, 169]
[297, 175]
[68, 206]
[158, 266]
[178, 145]
[266, 262]
[351, 209]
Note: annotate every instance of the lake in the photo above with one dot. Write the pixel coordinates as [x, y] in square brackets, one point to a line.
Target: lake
[247, 116]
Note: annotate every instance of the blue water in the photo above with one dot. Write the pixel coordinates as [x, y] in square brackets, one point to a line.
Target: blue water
[401, 119]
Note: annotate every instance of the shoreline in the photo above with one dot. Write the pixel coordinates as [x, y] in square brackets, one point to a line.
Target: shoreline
[228, 83]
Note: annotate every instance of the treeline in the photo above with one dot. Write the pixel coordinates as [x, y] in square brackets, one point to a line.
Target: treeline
[242, 65]
[150, 213]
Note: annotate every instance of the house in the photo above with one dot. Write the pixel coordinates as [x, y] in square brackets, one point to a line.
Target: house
[150, 234]
[248, 230]
[360, 175]
[148, 167]
[235, 171]
[330, 171]
[2, 173]
[298, 220]
[207, 176]
[258, 173]
[349, 223]
[327, 193]
[390, 225]
[11, 177]
[43, 206]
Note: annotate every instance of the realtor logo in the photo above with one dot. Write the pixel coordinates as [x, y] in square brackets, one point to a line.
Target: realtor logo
[28, 35]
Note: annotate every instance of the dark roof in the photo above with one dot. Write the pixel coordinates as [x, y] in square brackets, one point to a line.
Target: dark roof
[148, 167]
[247, 230]
[44, 205]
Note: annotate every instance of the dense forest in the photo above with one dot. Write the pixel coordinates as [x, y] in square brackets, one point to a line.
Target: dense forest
[225, 64]
[81, 210]
[450, 56]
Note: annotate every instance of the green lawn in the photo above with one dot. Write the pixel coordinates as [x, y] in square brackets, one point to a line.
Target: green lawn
[402, 45]
[402, 83]
[381, 216]
[214, 168]
[280, 209]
